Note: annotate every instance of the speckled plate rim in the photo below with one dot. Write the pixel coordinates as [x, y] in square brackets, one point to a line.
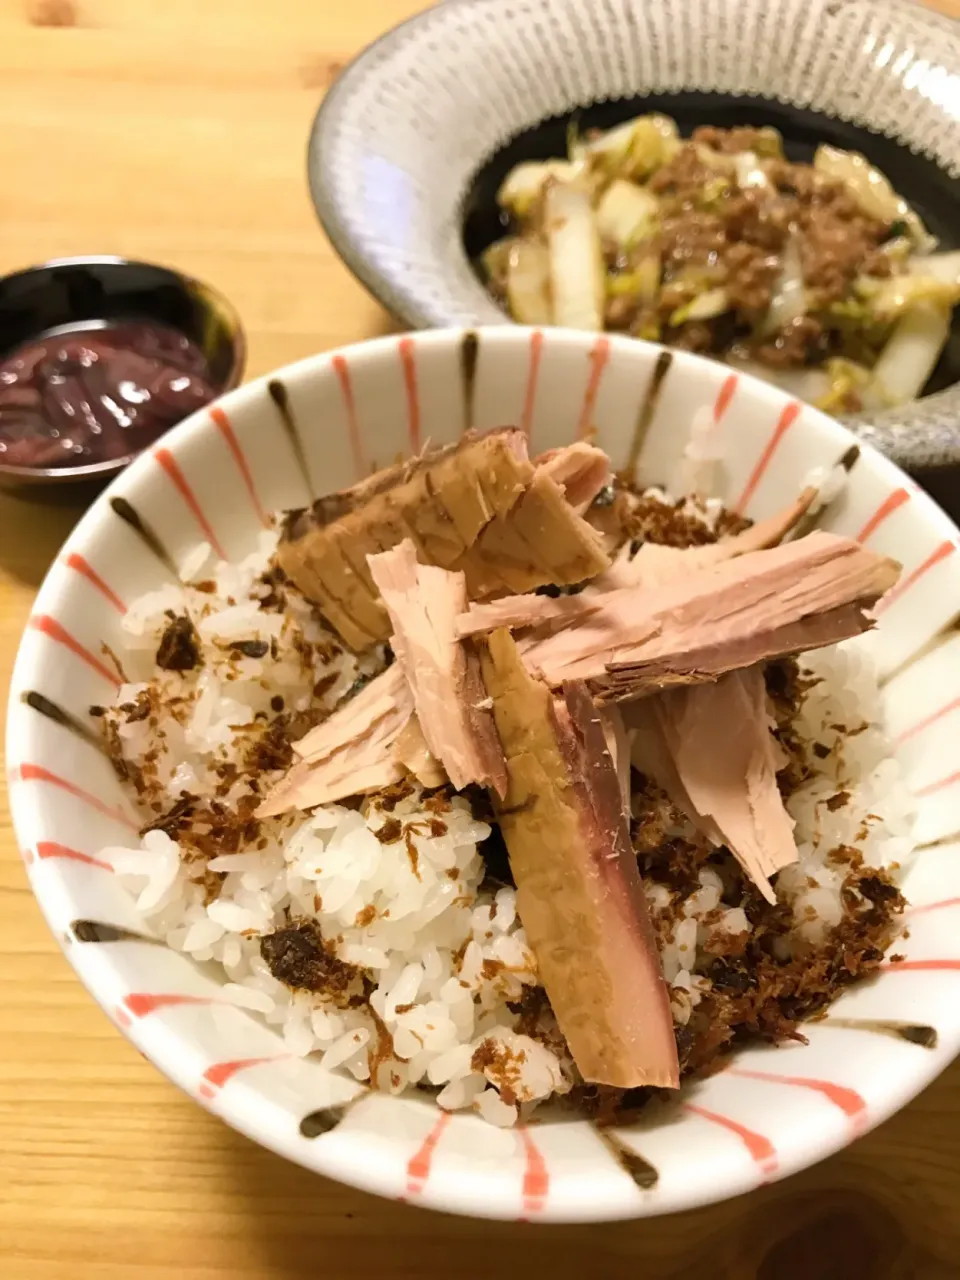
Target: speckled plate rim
[885, 431]
[336, 222]
[400, 1148]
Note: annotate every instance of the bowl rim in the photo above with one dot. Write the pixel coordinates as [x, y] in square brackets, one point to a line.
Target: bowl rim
[38, 476]
[885, 429]
[335, 223]
[249, 1111]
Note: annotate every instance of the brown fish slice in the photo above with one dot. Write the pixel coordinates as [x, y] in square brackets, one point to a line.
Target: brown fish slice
[479, 507]
[579, 892]
[424, 602]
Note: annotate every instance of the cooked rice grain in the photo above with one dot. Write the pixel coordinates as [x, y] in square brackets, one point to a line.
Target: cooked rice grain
[408, 969]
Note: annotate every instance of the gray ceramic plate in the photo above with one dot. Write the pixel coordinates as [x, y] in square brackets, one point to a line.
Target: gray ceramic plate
[408, 147]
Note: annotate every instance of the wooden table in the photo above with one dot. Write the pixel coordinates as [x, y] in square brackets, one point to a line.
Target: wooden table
[175, 131]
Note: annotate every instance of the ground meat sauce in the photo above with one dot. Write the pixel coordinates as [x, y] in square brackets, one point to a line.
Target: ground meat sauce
[89, 396]
[720, 244]
[716, 235]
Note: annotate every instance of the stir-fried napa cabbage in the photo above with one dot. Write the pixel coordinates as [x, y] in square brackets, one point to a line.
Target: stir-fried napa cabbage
[595, 244]
[576, 262]
[872, 191]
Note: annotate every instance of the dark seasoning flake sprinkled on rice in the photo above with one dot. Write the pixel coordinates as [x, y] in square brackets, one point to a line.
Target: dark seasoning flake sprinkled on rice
[298, 956]
[223, 824]
[179, 648]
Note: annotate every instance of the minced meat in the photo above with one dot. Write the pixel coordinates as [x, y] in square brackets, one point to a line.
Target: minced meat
[715, 234]
[717, 229]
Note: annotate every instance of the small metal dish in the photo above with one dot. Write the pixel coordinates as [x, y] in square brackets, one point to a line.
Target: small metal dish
[82, 292]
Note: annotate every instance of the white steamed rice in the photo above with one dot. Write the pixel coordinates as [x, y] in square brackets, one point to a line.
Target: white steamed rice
[446, 958]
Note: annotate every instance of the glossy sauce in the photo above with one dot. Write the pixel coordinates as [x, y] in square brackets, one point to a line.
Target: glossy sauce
[84, 396]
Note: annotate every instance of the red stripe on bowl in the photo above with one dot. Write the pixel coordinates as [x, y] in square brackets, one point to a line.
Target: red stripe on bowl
[50, 849]
[921, 966]
[785, 421]
[940, 784]
[220, 1073]
[761, 1148]
[170, 465]
[599, 358]
[222, 423]
[932, 906]
[943, 552]
[927, 721]
[848, 1100]
[342, 370]
[886, 508]
[724, 396]
[142, 1003]
[418, 1166]
[55, 631]
[37, 773]
[533, 374]
[409, 365]
[86, 570]
[536, 1175]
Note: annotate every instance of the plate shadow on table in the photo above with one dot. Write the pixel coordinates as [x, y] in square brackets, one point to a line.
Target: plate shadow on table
[863, 1216]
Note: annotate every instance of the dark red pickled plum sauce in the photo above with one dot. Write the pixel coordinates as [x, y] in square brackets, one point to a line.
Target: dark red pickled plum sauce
[86, 395]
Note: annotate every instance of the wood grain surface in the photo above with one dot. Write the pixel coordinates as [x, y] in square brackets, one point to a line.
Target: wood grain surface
[175, 130]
